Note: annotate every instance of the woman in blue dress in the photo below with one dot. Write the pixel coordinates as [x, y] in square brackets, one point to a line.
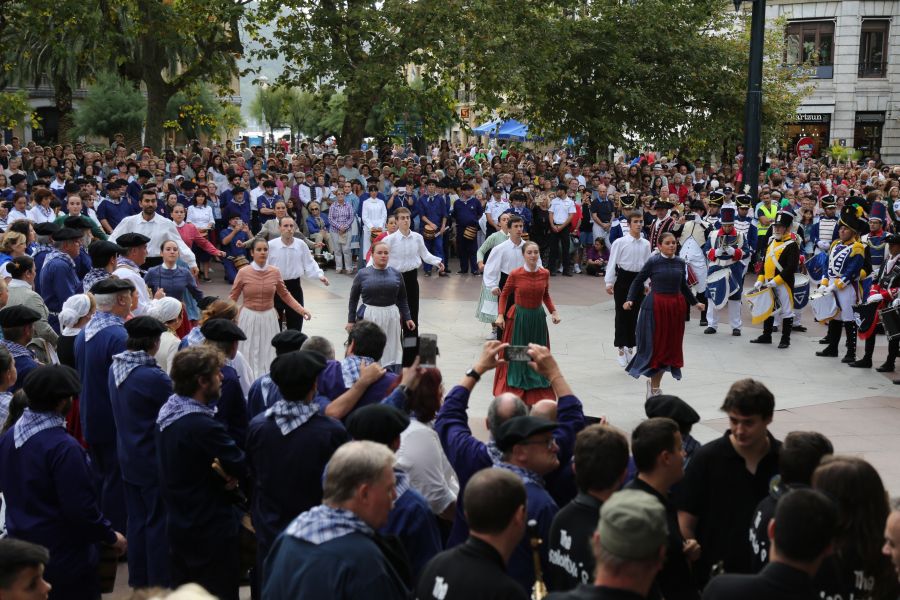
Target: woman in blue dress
[660, 324]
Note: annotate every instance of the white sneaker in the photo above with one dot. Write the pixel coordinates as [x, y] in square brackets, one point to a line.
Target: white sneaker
[628, 355]
[577, 269]
[623, 359]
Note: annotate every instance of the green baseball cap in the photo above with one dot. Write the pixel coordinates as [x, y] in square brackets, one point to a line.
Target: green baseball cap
[633, 525]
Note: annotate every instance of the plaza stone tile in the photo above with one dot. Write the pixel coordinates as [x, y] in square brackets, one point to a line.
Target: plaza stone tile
[856, 406]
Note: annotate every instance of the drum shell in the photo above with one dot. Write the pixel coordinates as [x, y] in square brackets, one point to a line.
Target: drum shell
[429, 232]
[890, 319]
[470, 232]
[801, 291]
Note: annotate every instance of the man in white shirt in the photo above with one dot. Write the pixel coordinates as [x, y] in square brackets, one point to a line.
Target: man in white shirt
[562, 211]
[294, 260]
[408, 252]
[496, 206]
[626, 257]
[156, 227]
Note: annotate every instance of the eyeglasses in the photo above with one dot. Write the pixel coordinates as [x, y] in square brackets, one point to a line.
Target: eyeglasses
[548, 443]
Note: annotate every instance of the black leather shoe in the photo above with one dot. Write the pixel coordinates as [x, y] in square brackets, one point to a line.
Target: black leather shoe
[709, 330]
[863, 363]
[887, 367]
[736, 332]
[849, 358]
[784, 344]
[763, 339]
[828, 353]
[703, 322]
[799, 328]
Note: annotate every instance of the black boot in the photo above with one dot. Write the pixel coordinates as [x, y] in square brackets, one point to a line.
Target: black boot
[766, 337]
[866, 361]
[888, 366]
[786, 325]
[850, 329]
[833, 336]
[701, 298]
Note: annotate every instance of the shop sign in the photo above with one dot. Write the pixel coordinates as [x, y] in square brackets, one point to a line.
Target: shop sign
[813, 118]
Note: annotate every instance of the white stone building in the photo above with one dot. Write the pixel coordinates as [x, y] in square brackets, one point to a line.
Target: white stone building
[856, 87]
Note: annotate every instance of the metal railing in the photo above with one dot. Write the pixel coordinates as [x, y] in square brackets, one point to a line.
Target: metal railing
[873, 68]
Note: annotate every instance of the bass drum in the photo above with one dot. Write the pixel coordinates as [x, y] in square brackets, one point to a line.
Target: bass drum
[824, 306]
[890, 318]
[762, 305]
[720, 285]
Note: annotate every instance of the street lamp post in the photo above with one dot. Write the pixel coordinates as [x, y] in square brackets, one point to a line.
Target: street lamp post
[753, 108]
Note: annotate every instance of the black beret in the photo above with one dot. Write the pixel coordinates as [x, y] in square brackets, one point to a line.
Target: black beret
[297, 370]
[102, 250]
[132, 240]
[519, 429]
[288, 341]
[222, 330]
[47, 228]
[66, 233]
[77, 222]
[53, 382]
[672, 407]
[188, 185]
[16, 178]
[381, 423]
[204, 302]
[18, 315]
[144, 327]
[111, 285]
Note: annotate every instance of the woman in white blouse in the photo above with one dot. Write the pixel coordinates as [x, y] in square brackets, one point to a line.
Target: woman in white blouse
[200, 215]
[374, 216]
[421, 454]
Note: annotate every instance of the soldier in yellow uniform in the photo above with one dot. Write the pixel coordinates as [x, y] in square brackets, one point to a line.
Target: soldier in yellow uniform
[782, 259]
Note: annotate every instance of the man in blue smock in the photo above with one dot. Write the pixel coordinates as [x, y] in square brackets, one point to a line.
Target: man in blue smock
[103, 337]
[137, 390]
[290, 437]
[58, 278]
[203, 525]
[411, 519]
[48, 487]
[17, 323]
[264, 393]
[231, 406]
[333, 550]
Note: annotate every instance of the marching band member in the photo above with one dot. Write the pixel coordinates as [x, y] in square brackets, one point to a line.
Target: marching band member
[875, 239]
[663, 222]
[727, 248]
[846, 266]
[781, 263]
[885, 292]
[619, 226]
[743, 223]
[692, 239]
[825, 230]
[716, 198]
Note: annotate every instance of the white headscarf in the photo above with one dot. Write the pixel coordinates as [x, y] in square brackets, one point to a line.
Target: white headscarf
[165, 309]
[74, 308]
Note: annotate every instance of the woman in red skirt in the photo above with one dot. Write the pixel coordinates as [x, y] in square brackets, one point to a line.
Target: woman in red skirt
[523, 320]
[660, 324]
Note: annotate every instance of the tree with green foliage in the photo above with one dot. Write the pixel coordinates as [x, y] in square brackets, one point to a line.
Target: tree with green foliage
[194, 111]
[111, 106]
[230, 121]
[268, 107]
[15, 109]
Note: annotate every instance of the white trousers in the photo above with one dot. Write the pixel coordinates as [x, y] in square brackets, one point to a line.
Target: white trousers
[734, 315]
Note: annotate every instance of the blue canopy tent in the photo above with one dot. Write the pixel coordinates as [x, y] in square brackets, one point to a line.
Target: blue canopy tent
[505, 130]
[489, 128]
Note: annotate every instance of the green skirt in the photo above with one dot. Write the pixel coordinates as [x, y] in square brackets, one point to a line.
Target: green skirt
[529, 327]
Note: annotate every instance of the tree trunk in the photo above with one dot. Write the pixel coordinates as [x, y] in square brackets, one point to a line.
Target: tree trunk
[354, 129]
[157, 98]
[63, 100]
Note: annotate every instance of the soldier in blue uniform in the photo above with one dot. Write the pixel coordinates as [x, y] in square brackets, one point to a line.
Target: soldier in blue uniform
[49, 489]
[619, 225]
[846, 268]
[743, 223]
[137, 390]
[202, 522]
[58, 278]
[103, 337]
[825, 229]
[289, 437]
[726, 248]
[17, 323]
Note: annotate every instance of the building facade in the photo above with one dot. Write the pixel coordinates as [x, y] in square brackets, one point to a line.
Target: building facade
[855, 101]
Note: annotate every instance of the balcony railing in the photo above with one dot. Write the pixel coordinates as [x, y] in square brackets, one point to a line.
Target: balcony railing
[876, 69]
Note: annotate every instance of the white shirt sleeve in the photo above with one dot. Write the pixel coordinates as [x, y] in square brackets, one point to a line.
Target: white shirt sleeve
[422, 457]
[424, 254]
[310, 267]
[491, 276]
[610, 276]
[170, 232]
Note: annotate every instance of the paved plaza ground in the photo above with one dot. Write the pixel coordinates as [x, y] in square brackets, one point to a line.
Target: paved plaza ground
[858, 409]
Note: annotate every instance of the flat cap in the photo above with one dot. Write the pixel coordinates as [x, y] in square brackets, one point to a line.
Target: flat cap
[381, 423]
[632, 525]
[519, 429]
[132, 240]
[222, 330]
[18, 315]
[48, 228]
[66, 233]
[144, 327]
[288, 341]
[53, 382]
[673, 407]
[296, 371]
[111, 285]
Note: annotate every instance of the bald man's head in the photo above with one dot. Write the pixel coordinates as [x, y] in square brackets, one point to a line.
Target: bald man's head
[502, 408]
[544, 408]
